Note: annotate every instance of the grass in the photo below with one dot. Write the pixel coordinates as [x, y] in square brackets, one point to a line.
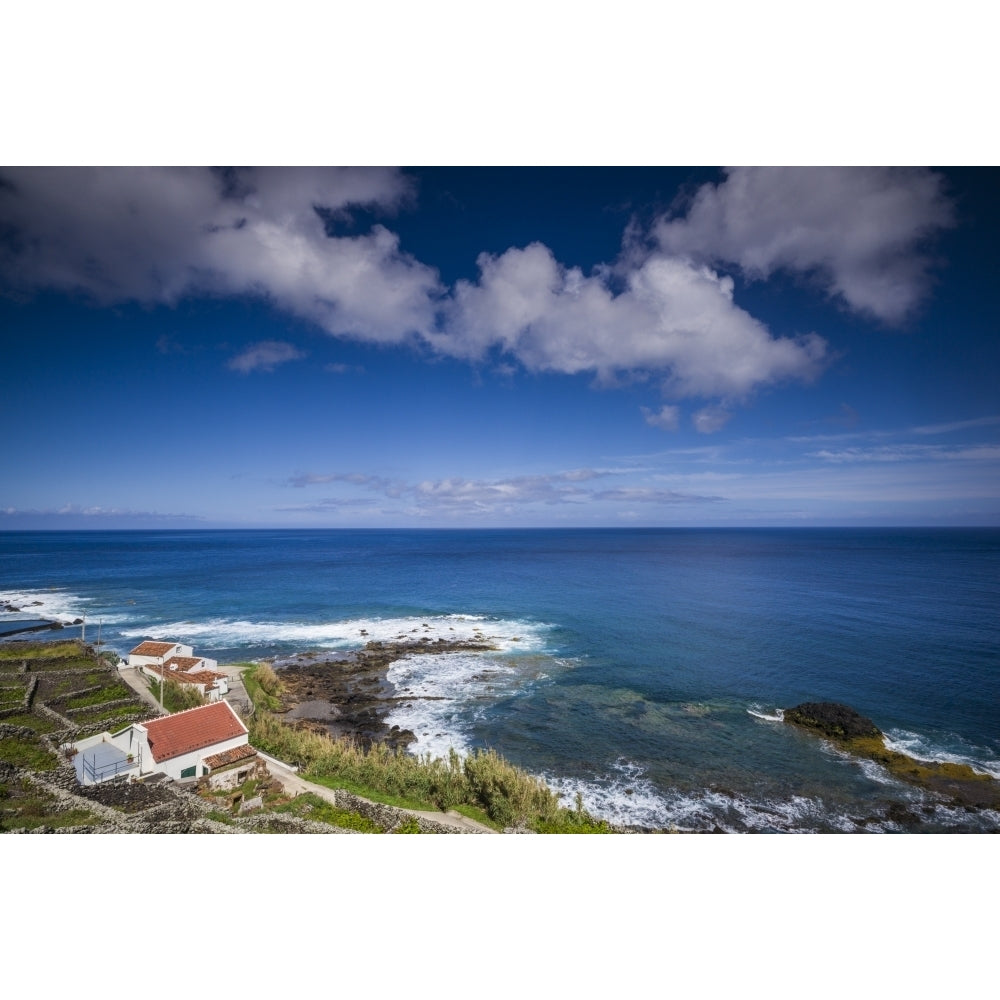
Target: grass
[263, 687]
[309, 806]
[27, 753]
[42, 666]
[22, 807]
[375, 794]
[110, 715]
[11, 696]
[38, 723]
[114, 692]
[407, 826]
[17, 651]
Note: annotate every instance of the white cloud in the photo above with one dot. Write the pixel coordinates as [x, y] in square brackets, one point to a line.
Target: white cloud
[155, 235]
[710, 419]
[642, 494]
[911, 453]
[95, 513]
[859, 230]
[957, 425]
[667, 418]
[461, 496]
[265, 356]
[673, 319]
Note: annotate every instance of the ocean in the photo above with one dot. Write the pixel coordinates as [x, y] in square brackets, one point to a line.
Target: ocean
[643, 669]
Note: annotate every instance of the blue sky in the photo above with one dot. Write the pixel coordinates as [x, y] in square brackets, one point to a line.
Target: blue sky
[470, 346]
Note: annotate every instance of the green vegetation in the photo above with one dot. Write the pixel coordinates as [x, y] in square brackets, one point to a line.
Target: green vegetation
[263, 686]
[26, 752]
[29, 720]
[17, 651]
[408, 826]
[483, 780]
[23, 807]
[310, 806]
[11, 697]
[41, 666]
[176, 697]
[114, 692]
[110, 717]
[55, 687]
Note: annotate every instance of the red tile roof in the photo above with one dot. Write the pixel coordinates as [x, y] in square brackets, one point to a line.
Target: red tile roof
[233, 756]
[182, 662]
[150, 648]
[206, 677]
[195, 729]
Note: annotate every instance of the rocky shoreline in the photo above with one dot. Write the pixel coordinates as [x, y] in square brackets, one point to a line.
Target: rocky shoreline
[349, 695]
[38, 624]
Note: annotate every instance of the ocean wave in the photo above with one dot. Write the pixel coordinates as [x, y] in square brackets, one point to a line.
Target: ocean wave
[626, 797]
[451, 692]
[53, 605]
[223, 633]
[759, 712]
[956, 752]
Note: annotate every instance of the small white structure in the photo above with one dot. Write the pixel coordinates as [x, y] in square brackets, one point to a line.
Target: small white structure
[187, 744]
[151, 653]
[177, 662]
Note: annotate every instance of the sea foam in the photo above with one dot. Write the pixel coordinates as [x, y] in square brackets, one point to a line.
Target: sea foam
[352, 633]
[958, 752]
[451, 692]
[53, 605]
[626, 797]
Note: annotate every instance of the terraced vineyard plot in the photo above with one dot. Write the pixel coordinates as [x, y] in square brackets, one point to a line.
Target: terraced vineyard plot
[23, 806]
[41, 666]
[25, 751]
[116, 717]
[11, 697]
[31, 720]
[100, 696]
[17, 651]
[51, 688]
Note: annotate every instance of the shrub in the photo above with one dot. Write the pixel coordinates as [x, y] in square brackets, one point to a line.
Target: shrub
[176, 697]
[266, 677]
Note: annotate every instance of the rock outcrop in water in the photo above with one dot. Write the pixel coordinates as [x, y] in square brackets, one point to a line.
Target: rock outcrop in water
[859, 736]
[831, 719]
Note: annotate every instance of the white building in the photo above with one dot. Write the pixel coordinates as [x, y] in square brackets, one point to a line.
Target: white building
[154, 653]
[177, 662]
[188, 744]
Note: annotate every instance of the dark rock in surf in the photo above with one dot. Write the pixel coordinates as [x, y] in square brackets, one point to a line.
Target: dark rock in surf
[831, 719]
